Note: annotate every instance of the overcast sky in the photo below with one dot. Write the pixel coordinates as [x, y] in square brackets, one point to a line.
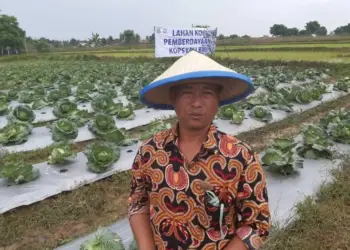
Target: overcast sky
[64, 19]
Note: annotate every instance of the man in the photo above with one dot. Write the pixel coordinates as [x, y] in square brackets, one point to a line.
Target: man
[194, 187]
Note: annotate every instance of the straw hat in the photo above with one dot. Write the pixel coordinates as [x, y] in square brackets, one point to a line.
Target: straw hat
[196, 67]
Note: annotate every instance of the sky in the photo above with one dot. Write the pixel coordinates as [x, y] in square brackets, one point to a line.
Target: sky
[65, 19]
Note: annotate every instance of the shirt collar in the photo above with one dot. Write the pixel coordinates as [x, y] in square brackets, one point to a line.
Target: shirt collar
[210, 144]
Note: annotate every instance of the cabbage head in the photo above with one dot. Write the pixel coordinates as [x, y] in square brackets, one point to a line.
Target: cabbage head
[126, 113]
[65, 108]
[103, 240]
[15, 133]
[261, 114]
[18, 172]
[101, 156]
[12, 94]
[21, 114]
[61, 153]
[64, 130]
[103, 125]
[105, 104]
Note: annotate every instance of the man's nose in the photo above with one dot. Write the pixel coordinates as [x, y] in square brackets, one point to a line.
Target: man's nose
[196, 100]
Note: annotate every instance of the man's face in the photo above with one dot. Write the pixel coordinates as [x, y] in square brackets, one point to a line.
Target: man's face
[195, 104]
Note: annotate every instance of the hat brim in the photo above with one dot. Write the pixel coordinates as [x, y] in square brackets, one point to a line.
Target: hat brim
[235, 87]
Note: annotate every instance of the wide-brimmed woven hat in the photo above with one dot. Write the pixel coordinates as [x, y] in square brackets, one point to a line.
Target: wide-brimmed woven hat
[196, 67]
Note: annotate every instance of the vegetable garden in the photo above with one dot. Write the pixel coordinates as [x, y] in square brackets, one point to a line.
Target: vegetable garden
[59, 104]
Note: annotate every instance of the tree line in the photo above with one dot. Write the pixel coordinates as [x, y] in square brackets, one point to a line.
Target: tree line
[13, 38]
[311, 28]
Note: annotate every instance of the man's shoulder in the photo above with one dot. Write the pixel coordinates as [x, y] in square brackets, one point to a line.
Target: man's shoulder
[227, 138]
[158, 139]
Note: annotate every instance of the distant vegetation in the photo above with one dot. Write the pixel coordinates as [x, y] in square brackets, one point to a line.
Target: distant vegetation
[14, 40]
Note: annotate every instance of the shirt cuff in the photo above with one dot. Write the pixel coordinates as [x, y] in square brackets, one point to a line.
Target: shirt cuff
[250, 237]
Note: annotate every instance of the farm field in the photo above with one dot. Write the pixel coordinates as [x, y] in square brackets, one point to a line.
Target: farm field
[65, 124]
[284, 56]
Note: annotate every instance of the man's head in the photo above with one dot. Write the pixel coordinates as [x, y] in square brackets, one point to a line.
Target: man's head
[195, 104]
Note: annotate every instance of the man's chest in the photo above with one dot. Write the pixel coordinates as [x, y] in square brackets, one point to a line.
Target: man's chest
[174, 181]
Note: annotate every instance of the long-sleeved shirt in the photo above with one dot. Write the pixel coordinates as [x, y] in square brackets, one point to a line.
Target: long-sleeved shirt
[171, 190]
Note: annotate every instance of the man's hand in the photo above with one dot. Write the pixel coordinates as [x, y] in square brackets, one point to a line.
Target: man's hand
[236, 244]
[141, 227]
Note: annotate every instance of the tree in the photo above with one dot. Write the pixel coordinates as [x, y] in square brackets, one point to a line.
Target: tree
[322, 31]
[95, 40]
[233, 36]
[129, 37]
[312, 27]
[292, 32]
[11, 35]
[342, 30]
[278, 30]
[221, 37]
[103, 41]
[41, 45]
[74, 42]
[304, 33]
[110, 40]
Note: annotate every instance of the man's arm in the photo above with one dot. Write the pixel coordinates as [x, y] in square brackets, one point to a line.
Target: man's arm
[252, 205]
[139, 211]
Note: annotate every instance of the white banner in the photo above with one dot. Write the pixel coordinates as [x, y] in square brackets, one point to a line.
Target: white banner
[178, 42]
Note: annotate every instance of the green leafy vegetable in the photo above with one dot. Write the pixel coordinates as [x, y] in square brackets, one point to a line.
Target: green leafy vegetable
[15, 133]
[261, 114]
[101, 156]
[64, 130]
[21, 114]
[105, 104]
[104, 126]
[61, 153]
[18, 172]
[315, 142]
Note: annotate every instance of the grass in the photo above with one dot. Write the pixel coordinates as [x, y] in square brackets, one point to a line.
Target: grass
[68, 215]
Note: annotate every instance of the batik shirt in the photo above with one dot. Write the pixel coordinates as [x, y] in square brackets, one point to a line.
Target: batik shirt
[171, 191]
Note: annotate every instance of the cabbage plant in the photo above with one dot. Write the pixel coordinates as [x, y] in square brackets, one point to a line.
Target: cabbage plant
[15, 133]
[343, 85]
[3, 106]
[233, 112]
[278, 101]
[21, 114]
[65, 108]
[82, 94]
[18, 172]
[12, 94]
[101, 156]
[126, 113]
[261, 114]
[103, 125]
[39, 104]
[61, 153]
[103, 239]
[315, 142]
[64, 130]
[105, 104]
[54, 96]
[280, 158]
[340, 131]
[335, 116]
[26, 96]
